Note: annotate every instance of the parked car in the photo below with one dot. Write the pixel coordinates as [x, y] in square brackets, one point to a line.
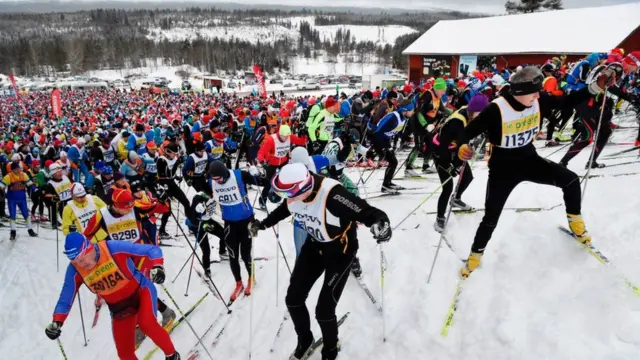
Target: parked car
[309, 84]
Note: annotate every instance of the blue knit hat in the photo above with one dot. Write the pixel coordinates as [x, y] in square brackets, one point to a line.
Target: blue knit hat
[74, 244]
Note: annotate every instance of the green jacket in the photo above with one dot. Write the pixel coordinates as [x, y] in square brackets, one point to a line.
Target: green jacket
[322, 125]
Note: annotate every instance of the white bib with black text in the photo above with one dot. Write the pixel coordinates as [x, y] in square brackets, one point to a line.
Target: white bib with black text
[519, 128]
[313, 216]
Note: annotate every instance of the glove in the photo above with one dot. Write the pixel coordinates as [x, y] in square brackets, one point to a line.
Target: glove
[55, 198]
[254, 171]
[53, 330]
[207, 227]
[465, 153]
[255, 226]
[189, 182]
[381, 230]
[200, 208]
[316, 146]
[73, 228]
[157, 274]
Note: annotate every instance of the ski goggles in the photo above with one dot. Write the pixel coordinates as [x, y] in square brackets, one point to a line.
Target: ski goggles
[288, 191]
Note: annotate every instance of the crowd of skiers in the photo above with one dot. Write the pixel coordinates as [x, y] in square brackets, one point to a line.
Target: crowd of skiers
[113, 161]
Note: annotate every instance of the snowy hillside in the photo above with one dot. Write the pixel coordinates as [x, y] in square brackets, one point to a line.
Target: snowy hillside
[537, 295]
[273, 29]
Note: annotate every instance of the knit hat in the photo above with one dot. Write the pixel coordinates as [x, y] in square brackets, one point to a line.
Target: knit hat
[219, 136]
[440, 84]
[477, 103]
[77, 190]
[331, 101]
[151, 145]
[75, 244]
[118, 176]
[285, 130]
[122, 199]
[633, 59]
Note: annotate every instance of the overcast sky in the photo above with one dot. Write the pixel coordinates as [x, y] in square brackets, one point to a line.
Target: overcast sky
[484, 6]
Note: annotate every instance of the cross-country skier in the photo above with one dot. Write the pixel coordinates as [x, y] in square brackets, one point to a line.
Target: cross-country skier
[168, 173]
[108, 270]
[446, 159]
[195, 168]
[389, 126]
[274, 154]
[230, 191]
[124, 221]
[77, 213]
[512, 121]
[16, 183]
[57, 192]
[329, 214]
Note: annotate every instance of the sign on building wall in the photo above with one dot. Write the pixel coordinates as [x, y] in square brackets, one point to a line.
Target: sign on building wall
[468, 63]
[436, 66]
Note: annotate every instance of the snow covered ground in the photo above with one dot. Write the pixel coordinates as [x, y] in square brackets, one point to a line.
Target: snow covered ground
[537, 294]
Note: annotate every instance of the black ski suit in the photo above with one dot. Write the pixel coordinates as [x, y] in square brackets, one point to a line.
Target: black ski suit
[333, 257]
[514, 158]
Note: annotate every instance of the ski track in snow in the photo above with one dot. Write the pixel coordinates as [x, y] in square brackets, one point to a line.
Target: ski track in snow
[537, 294]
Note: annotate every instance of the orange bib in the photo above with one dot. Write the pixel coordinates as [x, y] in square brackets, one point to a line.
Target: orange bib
[105, 278]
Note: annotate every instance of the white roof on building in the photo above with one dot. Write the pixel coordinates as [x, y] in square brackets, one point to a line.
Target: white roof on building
[575, 31]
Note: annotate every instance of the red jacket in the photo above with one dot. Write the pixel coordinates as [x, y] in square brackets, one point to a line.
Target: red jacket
[267, 152]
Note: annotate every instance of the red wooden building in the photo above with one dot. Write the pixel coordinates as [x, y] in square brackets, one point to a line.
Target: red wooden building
[523, 39]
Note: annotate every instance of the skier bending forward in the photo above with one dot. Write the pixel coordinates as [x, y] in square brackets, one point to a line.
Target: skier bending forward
[108, 269]
[329, 213]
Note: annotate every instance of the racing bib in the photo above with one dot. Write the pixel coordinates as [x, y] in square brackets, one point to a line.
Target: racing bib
[281, 148]
[519, 128]
[124, 228]
[228, 194]
[106, 277]
[63, 188]
[84, 214]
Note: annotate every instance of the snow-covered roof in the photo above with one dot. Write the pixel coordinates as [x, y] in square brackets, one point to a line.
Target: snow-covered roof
[575, 31]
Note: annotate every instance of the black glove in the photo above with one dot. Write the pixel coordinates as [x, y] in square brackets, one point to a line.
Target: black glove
[189, 181]
[55, 198]
[157, 274]
[73, 228]
[162, 193]
[381, 230]
[53, 330]
[316, 146]
[255, 226]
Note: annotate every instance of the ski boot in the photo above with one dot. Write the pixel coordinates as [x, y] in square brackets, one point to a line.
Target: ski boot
[32, 233]
[579, 230]
[551, 143]
[34, 218]
[164, 235]
[250, 283]
[44, 218]
[175, 356]
[303, 349]
[459, 204]
[331, 354]
[594, 165]
[13, 235]
[428, 170]
[236, 292]
[411, 173]
[396, 187]
[356, 269]
[472, 263]
[168, 317]
[388, 189]
[439, 225]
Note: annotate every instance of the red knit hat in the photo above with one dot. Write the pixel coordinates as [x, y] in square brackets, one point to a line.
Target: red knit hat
[331, 101]
[122, 199]
[219, 136]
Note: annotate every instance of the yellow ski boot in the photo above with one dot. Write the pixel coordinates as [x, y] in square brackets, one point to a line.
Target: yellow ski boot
[579, 230]
[472, 263]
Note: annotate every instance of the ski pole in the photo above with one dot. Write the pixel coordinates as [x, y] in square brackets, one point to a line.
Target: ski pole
[186, 293]
[565, 146]
[364, 187]
[453, 196]
[64, 354]
[186, 320]
[251, 283]
[277, 268]
[84, 333]
[55, 214]
[178, 220]
[382, 271]
[423, 202]
[595, 144]
[193, 250]
[182, 268]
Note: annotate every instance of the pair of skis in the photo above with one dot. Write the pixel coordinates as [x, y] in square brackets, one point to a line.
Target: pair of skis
[592, 250]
